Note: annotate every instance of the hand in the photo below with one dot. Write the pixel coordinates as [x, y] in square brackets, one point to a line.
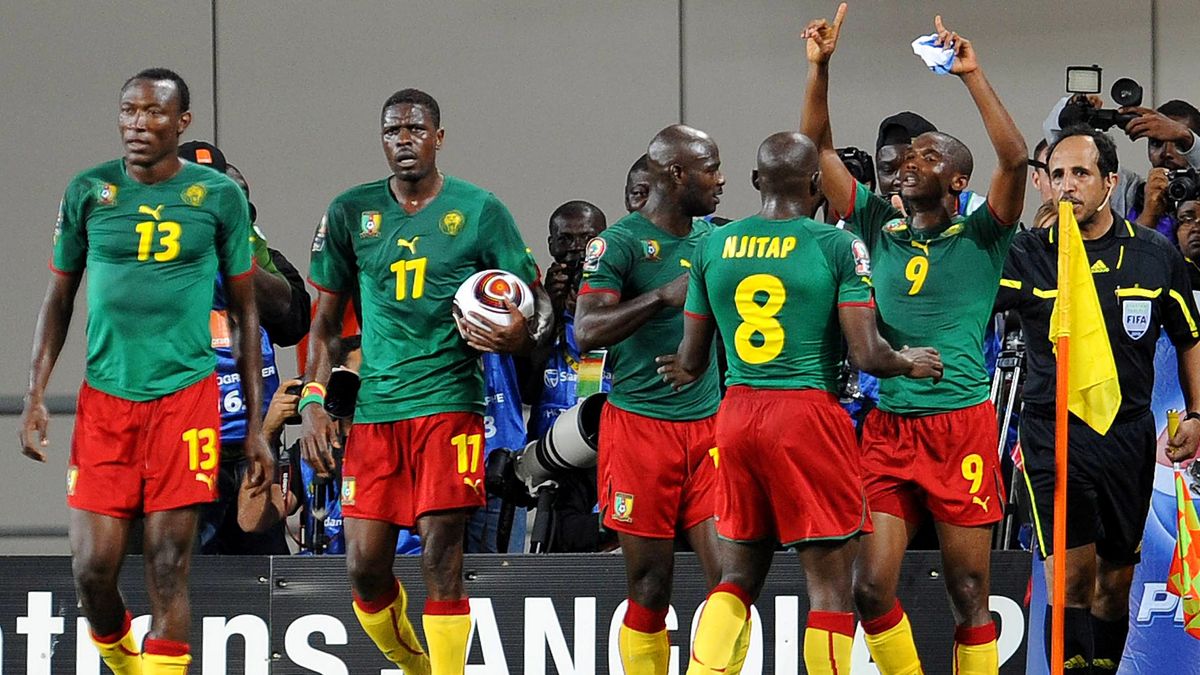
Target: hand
[674, 293]
[671, 373]
[283, 406]
[492, 337]
[35, 419]
[1182, 445]
[1153, 124]
[558, 285]
[262, 462]
[925, 362]
[1156, 192]
[964, 54]
[822, 38]
[318, 433]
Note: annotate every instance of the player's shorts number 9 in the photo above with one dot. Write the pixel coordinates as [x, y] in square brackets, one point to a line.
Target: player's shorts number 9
[915, 271]
[972, 470]
[759, 319]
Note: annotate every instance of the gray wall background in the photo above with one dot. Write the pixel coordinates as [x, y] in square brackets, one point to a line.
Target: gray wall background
[543, 101]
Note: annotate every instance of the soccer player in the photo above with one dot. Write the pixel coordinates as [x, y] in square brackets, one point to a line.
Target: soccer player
[782, 289]
[152, 232]
[930, 447]
[654, 469]
[415, 454]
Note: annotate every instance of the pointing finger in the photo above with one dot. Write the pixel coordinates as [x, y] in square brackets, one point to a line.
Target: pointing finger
[839, 18]
[937, 23]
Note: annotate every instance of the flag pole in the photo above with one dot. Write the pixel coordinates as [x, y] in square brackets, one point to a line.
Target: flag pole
[1062, 374]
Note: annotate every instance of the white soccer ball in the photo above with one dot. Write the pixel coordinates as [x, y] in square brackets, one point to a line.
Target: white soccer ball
[484, 294]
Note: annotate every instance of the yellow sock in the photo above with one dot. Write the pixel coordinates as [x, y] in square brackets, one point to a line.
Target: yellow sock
[740, 649]
[890, 641]
[975, 651]
[164, 657]
[447, 630]
[122, 655]
[721, 624]
[391, 631]
[827, 643]
[644, 653]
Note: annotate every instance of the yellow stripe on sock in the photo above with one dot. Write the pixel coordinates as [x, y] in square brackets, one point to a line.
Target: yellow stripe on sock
[721, 623]
[122, 657]
[393, 634]
[827, 653]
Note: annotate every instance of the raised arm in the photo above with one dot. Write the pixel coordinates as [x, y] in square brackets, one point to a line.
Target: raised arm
[1006, 194]
[53, 321]
[821, 41]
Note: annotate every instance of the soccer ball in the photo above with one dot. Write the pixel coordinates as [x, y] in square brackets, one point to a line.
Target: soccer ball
[484, 294]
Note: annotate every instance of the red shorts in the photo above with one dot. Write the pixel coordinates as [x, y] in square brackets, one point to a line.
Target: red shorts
[788, 469]
[130, 457]
[399, 471]
[662, 468]
[946, 464]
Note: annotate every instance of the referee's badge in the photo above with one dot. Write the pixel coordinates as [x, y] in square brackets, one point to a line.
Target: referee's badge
[1135, 314]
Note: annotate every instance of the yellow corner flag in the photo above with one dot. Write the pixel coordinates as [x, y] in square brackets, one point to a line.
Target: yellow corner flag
[1093, 392]
[1184, 579]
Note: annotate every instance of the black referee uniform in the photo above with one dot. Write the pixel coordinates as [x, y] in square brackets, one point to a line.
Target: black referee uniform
[1142, 282]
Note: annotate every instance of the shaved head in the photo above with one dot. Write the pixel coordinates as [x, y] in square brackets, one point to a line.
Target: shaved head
[785, 157]
[958, 156]
[685, 171]
[678, 144]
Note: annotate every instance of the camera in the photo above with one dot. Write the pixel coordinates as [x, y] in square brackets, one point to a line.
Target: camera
[1183, 185]
[340, 395]
[1084, 80]
[859, 163]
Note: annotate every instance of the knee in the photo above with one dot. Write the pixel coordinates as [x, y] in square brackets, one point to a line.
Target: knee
[168, 565]
[368, 576]
[1112, 598]
[650, 587]
[969, 592]
[872, 596]
[95, 574]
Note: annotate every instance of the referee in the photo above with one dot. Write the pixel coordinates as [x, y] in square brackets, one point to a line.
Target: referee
[1142, 283]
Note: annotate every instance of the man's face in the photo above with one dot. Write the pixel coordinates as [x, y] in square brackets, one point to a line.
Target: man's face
[1075, 176]
[925, 172]
[637, 189]
[887, 166]
[1041, 177]
[150, 121]
[410, 141]
[1164, 154]
[1188, 232]
[703, 181]
[569, 236]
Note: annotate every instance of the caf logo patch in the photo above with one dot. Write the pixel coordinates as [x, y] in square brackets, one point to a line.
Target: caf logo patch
[862, 259]
[370, 224]
[623, 507]
[653, 249]
[452, 223]
[593, 253]
[194, 194]
[348, 491]
[107, 196]
[319, 238]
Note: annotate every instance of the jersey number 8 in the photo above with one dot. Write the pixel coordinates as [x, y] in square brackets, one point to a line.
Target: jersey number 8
[759, 319]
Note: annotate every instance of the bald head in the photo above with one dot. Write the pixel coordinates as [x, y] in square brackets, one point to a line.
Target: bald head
[685, 171]
[678, 144]
[958, 156]
[785, 157]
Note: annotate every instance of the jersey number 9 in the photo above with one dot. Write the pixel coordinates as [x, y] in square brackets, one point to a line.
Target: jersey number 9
[915, 271]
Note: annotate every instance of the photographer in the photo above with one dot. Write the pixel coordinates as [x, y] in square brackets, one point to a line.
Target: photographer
[1187, 232]
[1142, 288]
[1173, 145]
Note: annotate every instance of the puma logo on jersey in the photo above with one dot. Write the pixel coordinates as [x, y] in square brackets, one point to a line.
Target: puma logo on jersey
[411, 245]
[983, 503]
[205, 478]
[685, 263]
[153, 213]
[476, 485]
[1099, 267]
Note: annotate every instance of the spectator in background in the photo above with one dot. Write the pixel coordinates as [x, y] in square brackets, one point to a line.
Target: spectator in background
[1040, 176]
[283, 306]
[503, 427]
[1187, 232]
[637, 184]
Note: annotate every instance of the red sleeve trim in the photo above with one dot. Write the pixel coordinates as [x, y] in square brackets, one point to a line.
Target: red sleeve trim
[536, 283]
[869, 303]
[321, 288]
[698, 317]
[243, 275]
[586, 289]
[998, 219]
[853, 201]
[61, 273]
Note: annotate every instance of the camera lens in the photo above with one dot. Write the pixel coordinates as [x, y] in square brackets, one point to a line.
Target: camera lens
[1127, 92]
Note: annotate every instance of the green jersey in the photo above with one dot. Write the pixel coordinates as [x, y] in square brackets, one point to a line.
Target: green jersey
[152, 254]
[407, 268]
[631, 258]
[774, 288]
[934, 289]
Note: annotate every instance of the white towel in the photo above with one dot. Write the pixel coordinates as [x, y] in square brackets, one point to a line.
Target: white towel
[939, 59]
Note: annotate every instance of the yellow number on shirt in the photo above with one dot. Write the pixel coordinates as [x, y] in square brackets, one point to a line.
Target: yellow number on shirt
[915, 271]
[972, 470]
[469, 447]
[759, 319]
[402, 268]
[202, 448]
[169, 241]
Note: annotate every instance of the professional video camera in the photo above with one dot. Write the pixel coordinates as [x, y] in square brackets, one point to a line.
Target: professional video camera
[527, 477]
[1084, 80]
[859, 163]
[1183, 185]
